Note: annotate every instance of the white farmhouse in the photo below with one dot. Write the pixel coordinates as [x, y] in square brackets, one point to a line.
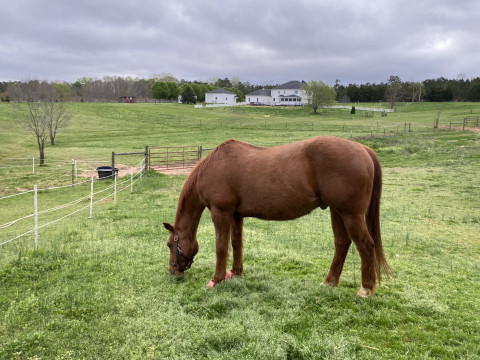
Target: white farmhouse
[288, 94]
[220, 96]
[259, 97]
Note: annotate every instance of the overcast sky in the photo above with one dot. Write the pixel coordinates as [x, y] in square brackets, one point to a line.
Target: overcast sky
[263, 42]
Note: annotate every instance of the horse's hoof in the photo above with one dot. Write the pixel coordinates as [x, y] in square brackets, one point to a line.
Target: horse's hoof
[229, 275]
[364, 293]
[211, 284]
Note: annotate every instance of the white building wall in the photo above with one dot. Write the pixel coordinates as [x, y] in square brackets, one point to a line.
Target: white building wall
[220, 98]
[259, 99]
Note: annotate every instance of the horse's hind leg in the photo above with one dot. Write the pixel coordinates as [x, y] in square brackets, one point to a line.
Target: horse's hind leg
[357, 230]
[342, 244]
[237, 245]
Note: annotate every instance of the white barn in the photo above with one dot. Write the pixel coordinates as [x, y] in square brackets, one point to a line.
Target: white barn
[220, 96]
[288, 94]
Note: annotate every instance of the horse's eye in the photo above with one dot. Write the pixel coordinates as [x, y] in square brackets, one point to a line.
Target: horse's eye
[169, 245]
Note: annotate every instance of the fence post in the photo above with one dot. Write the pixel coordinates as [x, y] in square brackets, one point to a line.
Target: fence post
[36, 217]
[73, 172]
[114, 175]
[91, 198]
[200, 151]
[464, 122]
[147, 165]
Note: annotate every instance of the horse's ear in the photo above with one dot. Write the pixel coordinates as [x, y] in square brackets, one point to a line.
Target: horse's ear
[168, 227]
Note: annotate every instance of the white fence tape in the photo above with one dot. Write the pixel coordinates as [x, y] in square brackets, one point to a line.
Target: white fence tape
[117, 187]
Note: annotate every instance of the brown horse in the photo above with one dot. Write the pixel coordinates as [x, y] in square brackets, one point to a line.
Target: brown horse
[238, 180]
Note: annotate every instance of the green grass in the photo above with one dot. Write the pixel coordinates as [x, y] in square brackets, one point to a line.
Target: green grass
[99, 288]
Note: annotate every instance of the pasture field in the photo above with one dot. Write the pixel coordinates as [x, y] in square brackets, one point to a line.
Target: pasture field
[99, 288]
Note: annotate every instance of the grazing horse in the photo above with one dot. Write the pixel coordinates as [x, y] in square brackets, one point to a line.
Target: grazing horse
[238, 180]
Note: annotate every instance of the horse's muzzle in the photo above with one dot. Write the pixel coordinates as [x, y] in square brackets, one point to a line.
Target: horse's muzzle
[175, 271]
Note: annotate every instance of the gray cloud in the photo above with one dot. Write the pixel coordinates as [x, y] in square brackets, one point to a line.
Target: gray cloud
[259, 41]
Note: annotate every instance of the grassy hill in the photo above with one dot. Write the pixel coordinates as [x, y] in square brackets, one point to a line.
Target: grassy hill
[99, 287]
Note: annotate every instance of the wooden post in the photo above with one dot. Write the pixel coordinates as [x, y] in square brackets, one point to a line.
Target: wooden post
[146, 158]
[113, 165]
[200, 150]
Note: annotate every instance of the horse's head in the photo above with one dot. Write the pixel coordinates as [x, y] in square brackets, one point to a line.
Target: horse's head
[182, 250]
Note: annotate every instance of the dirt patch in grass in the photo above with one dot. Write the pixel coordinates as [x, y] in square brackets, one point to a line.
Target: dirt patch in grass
[174, 171]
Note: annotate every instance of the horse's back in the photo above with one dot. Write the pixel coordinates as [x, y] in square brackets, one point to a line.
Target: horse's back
[287, 181]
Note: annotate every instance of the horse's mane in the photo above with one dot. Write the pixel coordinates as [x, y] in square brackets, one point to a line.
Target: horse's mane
[192, 179]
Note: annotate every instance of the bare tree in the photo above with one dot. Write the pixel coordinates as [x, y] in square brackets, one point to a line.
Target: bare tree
[416, 91]
[393, 90]
[40, 113]
[57, 117]
[32, 117]
[436, 120]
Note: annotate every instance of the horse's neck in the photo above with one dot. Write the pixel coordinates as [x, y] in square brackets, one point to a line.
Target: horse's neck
[189, 211]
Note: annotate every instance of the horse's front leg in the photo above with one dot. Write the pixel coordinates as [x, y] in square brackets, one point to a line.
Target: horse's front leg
[237, 245]
[223, 225]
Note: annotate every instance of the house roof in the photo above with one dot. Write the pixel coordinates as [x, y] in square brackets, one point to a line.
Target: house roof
[220, 91]
[289, 96]
[291, 85]
[261, 92]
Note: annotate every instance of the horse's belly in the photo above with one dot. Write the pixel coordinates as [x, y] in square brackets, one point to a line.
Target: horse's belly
[280, 207]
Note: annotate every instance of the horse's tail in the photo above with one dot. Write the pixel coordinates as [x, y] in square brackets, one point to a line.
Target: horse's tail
[373, 218]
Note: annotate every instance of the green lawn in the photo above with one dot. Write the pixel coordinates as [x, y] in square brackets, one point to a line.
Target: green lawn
[99, 288]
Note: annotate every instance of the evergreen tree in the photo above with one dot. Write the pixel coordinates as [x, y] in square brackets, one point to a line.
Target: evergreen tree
[188, 95]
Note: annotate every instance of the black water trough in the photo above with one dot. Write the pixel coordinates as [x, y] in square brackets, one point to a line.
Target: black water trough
[105, 172]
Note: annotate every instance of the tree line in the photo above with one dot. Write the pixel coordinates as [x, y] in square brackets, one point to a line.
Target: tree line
[112, 88]
[433, 90]
[167, 87]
